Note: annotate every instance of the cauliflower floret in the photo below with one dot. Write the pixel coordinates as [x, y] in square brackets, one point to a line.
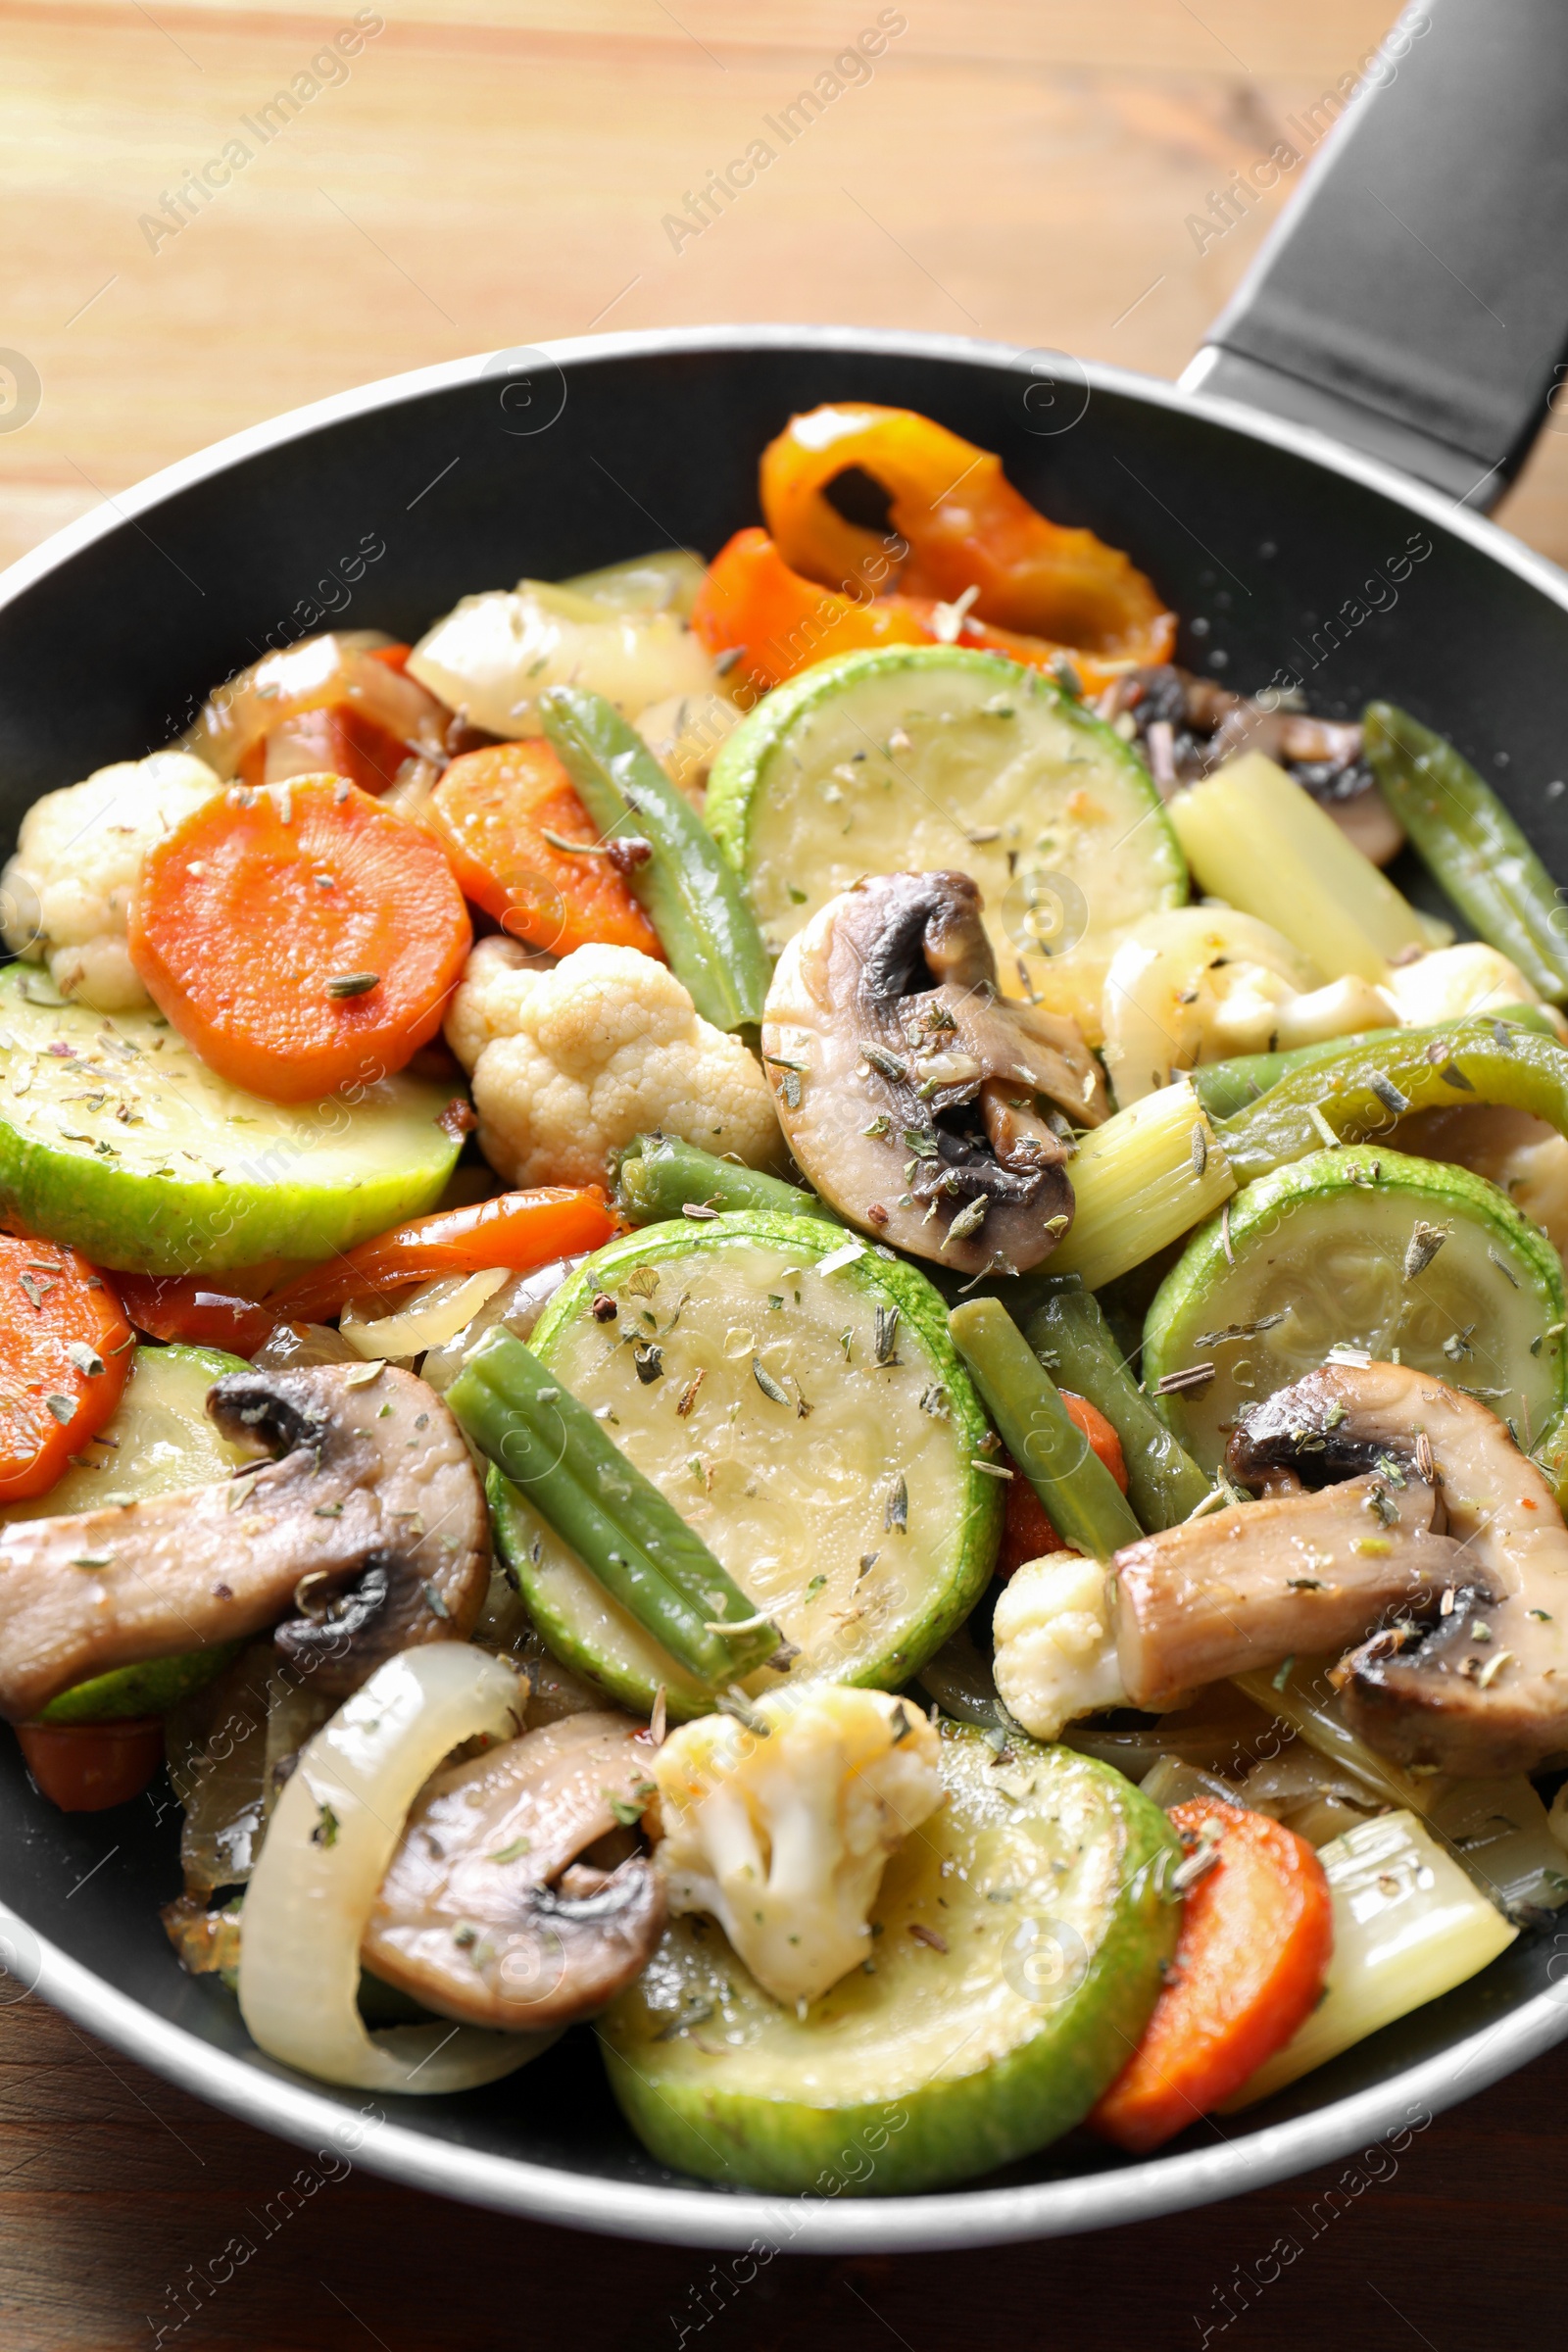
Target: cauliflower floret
[783, 1837]
[570, 1064]
[1056, 1654]
[1452, 981]
[66, 895]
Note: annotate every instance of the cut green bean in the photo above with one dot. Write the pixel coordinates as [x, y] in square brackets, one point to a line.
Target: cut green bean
[1472, 845]
[1226, 1087]
[1077, 1492]
[692, 895]
[1165, 1485]
[621, 1528]
[662, 1178]
[1360, 1095]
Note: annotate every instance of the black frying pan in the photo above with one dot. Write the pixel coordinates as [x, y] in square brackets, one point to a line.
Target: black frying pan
[1414, 309]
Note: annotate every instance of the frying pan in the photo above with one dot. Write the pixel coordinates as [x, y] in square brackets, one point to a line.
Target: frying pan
[1311, 498]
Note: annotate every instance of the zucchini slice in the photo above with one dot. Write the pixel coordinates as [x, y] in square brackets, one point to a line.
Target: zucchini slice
[922, 758]
[1020, 1939]
[157, 1441]
[817, 1429]
[116, 1138]
[1361, 1247]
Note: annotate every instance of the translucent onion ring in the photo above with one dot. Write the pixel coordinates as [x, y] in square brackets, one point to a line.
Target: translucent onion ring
[332, 1834]
[435, 1313]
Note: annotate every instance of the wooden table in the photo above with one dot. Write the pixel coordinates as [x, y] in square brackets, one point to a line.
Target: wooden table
[488, 173]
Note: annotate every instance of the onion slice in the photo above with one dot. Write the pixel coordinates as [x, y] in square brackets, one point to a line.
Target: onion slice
[433, 1314]
[332, 1834]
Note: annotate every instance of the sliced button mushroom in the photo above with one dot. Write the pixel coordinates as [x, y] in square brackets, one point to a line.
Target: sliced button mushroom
[1471, 1676]
[365, 1534]
[485, 1913]
[915, 1097]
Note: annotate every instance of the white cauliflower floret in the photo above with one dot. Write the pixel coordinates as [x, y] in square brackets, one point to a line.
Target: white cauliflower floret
[1055, 1653]
[783, 1837]
[1452, 981]
[65, 898]
[567, 1066]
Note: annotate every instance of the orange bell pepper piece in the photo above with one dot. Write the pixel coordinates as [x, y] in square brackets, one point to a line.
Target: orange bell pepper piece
[964, 526]
[753, 604]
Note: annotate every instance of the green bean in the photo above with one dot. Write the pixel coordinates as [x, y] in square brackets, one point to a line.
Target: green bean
[1226, 1087]
[692, 895]
[1472, 845]
[1077, 1492]
[1165, 1485]
[660, 1178]
[1361, 1092]
[620, 1527]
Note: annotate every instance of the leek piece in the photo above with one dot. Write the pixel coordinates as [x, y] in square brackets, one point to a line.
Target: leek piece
[1259, 842]
[1144, 1178]
[1408, 1925]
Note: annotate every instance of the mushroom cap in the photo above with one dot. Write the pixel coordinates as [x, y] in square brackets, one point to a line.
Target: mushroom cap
[907, 1087]
[471, 1917]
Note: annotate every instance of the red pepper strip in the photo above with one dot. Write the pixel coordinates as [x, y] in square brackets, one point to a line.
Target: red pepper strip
[199, 1310]
[516, 1230]
[87, 1767]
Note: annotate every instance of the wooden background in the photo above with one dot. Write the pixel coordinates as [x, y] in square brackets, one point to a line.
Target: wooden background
[494, 172]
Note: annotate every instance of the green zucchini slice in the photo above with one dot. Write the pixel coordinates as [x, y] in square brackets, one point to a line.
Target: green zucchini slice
[158, 1440]
[1368, 1249]
[1019, 1943]
[816, 1428]
[116, 1138]
[922, 758]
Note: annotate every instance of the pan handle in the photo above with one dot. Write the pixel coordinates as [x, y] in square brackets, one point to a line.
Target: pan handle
[1413, 300]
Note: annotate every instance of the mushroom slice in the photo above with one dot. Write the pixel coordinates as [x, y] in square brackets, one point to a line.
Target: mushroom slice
[366, 1533]
[913, 1096]
[1306, 1573]
[1472, 1675]
[486, 1915]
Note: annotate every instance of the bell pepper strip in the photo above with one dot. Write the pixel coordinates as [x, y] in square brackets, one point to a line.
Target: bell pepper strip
[1256, 1933]
[965, 527]
[195, 1310]
[300, 938]
[515, 1230]
[1073, 1341]
[335, 673]
[66, 1349]
[1471, 844]
[1226, 1087]
[1358, 1095]
[775, 622]
[623, 1529]
[1026, 1532]
[687, 887]
[505, 818]
[660, 1177]
[87, 1767]
[1077, 1492]
[338, 740]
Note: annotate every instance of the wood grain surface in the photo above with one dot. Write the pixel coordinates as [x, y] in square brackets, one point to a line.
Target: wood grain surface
[491, 172]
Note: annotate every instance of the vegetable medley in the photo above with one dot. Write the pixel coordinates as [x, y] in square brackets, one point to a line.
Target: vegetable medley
[781, 1301]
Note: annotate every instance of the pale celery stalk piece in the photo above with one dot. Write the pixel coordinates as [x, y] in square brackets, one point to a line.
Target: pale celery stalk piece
[1408, 1926]
[1144, 1178]
[1257, 841]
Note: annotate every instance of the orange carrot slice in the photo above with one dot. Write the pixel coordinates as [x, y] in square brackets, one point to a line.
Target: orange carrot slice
[1257, 1929]
[1026, 1532]
[495, 811]
[64, 1352]
[300, 938]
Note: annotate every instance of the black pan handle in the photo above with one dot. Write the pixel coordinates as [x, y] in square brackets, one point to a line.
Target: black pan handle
[1414, 301]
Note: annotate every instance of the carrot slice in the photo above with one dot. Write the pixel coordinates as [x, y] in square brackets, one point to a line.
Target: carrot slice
[87, 1767]
[1026, 1532]
[516, 1230]
[1258, 1930]
[299, 937]
[64, 1352]
[494, 811]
